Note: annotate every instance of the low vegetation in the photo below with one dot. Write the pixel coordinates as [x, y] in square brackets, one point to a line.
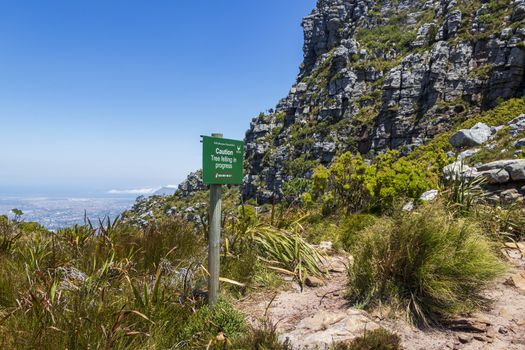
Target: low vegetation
[378, 339]
[430, 263]
[141, 284]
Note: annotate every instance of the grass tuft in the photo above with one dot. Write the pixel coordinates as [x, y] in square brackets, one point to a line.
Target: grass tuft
[431, 263]
[378, 339]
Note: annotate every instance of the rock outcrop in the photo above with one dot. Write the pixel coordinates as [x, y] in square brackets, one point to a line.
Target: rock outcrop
[385, 74]
[503, 179]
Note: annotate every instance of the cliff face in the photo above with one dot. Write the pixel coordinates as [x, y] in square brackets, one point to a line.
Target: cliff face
[385, 74]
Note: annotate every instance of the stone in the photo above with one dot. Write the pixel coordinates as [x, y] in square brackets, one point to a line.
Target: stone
[422, 37]
[458, 168]
[520, 143]
[314, 282]
[474, 136]
[517, 280]
[322, 320]
[491, 333]
[511, 196]
[503, 330]
[465, 338]
[409, 206]
[479, 337]
[498, 164]
[518, 12]
[468, 325]
[516, 170]
[453, 21]
[468, 153]
[429, 196]
[517, 124]
[357, 323]
[495, 176]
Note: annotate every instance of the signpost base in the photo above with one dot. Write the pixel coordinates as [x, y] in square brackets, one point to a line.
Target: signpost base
[214, 241]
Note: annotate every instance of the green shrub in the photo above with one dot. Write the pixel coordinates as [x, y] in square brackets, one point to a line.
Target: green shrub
[210, 321]
[356, 186]
[295, 188]
[398, 177]
[434, 265]
[350, 179]
[378, 339]
[352, 226]
[10, 233]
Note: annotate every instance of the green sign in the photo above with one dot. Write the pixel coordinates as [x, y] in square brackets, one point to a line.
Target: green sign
[222, 161]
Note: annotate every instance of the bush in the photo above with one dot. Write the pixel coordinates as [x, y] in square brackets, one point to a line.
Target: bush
[10, 233]
[378, 339]
[351, 228]
[356, 186]
[209, 322]
[399, 177]
[432, 264]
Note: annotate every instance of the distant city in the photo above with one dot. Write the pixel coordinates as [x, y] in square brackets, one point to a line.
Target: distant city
[55, 212]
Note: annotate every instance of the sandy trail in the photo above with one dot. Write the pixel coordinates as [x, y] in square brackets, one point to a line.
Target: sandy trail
[317, 317]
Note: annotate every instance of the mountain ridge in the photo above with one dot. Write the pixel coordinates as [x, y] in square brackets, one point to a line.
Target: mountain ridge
[378, 75]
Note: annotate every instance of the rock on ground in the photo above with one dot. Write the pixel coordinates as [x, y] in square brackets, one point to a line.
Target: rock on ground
[316, 317]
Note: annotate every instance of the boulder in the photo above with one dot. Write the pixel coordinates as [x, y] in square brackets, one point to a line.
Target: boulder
[518, 12]
[474, 136]
[498, 164]
[517, 124]
[495, 176]
[517, 280]
[516, 170]
[520, 143]
[511, 196]
[468, 153]
[514, 167]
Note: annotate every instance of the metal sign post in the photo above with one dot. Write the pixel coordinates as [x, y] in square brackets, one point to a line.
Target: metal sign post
[222, 163]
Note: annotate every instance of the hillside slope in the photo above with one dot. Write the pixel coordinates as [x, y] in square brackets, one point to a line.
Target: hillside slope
[385, 74]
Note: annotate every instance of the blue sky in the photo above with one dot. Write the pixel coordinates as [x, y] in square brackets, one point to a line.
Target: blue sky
[98, 95]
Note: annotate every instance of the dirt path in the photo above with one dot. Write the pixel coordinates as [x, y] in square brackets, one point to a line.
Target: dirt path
[317, 317]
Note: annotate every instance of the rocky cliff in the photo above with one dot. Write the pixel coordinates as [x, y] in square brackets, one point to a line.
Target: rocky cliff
[385, 74]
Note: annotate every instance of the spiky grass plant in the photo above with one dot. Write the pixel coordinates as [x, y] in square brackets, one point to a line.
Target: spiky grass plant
[286, 251]
[430, 262]
[463, 192]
